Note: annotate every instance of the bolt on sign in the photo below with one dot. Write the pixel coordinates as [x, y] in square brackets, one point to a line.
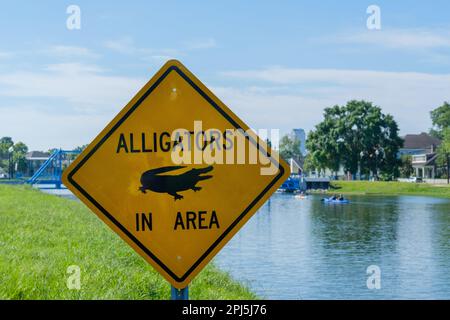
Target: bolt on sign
[176, 174]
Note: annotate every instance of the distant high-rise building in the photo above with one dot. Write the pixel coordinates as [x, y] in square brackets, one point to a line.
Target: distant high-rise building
[301, 136]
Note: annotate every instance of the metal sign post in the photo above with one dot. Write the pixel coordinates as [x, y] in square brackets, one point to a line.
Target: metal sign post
[179, 294]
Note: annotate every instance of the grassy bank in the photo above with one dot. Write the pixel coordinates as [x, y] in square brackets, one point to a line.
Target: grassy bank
[389, 188]
[41, 235]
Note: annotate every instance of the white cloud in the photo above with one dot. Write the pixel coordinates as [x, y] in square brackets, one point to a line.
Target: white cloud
[282, 75]
[80, 86]
[409, 96]
[398, 38]
[123, 45]
[70, 103]
[62, 51]
[67, 104]
[160, 58]
[74, 68]
[201, 44]
[265, 109]
[42, 131]
[127, 46]
[5, 55]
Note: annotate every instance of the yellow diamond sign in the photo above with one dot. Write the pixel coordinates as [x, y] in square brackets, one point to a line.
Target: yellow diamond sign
[176, 174]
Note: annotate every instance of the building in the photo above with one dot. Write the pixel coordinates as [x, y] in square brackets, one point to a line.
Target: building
[34, 160]
[424, 165]
[422, 149]
[416, 144]
[301, 136]
[317, 183]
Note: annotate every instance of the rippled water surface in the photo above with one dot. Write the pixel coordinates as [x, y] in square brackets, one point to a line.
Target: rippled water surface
[305, 249]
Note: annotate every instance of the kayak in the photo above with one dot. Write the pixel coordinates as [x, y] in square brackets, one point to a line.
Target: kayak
[335, 201]
[326, 200]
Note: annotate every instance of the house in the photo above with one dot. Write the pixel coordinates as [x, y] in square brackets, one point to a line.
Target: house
[416, 144]
[34, 160]
[425, 165]
[422, 149]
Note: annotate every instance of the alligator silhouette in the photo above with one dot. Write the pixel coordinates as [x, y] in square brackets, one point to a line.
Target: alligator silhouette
[155, 181]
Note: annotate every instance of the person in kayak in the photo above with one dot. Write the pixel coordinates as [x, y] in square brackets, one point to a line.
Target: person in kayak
[335, 199]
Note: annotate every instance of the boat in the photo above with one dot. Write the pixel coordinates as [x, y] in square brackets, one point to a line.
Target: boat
[329, 200]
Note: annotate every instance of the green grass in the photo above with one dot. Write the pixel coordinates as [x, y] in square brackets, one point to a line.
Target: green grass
[389, 188]
[41, 235]
[12, 181]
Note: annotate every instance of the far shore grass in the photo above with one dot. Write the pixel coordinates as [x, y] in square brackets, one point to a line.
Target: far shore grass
[389, 188]
[41, 235]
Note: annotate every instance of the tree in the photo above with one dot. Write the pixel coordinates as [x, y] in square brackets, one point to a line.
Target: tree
[310, 165]
[357, 136]
[290, 148]
[322, 146]
[79, 149]
[5, 144]
[440, 117]
[20, 150]
[406, 169]
[444, 152]
[84, 146]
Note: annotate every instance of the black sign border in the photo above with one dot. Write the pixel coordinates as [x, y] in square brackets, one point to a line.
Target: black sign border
[120, 226]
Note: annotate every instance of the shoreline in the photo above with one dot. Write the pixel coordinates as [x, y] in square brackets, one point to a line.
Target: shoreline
[381, 188]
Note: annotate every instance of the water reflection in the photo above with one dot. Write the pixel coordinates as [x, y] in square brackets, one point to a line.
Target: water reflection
[304, 249]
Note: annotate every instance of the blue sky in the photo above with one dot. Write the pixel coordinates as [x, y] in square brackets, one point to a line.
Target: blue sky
[277, 64]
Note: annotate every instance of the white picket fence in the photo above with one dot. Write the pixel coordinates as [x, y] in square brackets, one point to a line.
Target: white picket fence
[430, 181]
[436, 181]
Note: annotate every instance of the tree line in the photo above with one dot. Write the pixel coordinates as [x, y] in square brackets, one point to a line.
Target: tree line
[357, 137]
[363, 141]
[12, 155]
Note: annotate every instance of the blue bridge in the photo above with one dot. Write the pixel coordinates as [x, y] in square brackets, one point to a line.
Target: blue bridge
[50, 172]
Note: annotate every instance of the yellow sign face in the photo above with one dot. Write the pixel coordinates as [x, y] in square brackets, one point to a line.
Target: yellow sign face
[176, 174]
